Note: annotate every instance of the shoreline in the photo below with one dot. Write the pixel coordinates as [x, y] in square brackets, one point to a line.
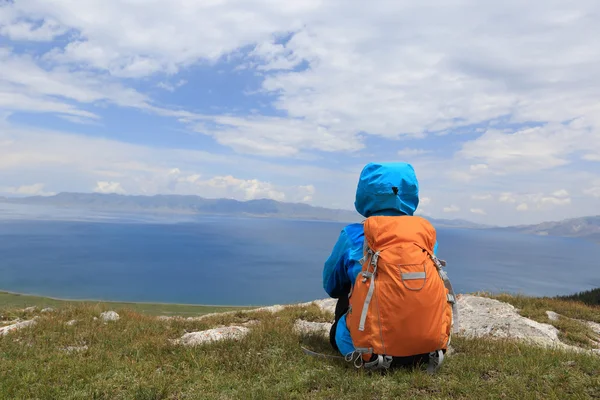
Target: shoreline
[90, 300]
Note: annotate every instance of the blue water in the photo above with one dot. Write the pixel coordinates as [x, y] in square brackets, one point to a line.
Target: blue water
[239, 261]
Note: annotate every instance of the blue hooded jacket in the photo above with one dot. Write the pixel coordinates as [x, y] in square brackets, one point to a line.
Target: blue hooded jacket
[389, 189]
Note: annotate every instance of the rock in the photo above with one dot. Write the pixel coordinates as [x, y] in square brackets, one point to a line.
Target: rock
[552, 316]
[326, 305]
[71, 322]
[481, 316]
[109, 316]
[16, 326]
[48, 309]
[213, 335]
[75, 349]
[272, 309]
[595, 326]
[306, 327]
[30, 309]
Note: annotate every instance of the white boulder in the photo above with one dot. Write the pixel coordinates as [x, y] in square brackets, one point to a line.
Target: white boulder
[213, 335]
[109, 316]
[5, 330]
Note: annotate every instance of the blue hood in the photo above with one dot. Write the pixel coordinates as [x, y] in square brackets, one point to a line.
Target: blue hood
[375, 192]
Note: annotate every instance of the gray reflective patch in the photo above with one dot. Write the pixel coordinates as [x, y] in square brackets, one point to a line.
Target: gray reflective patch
[407, 276]
[364, 350]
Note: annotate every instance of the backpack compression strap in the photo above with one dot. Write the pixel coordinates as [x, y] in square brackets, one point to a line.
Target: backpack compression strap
[436, 358]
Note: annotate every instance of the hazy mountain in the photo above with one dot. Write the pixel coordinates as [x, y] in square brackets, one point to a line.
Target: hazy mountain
[588, 227]
[186, 205]
[182, 204]
[457, 223]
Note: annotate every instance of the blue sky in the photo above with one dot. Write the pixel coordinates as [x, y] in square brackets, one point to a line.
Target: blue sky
[496, 105]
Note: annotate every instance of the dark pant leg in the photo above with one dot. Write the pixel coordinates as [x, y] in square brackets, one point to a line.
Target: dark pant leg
[340, 309]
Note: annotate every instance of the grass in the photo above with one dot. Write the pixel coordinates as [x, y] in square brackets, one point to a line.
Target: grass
[133, 358]
[571, 329]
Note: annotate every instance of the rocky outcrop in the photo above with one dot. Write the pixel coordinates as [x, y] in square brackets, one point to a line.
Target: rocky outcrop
[326, 305]
[236, 332]
[481, 316]
[552, 316]
[212, 335]
[306, 327]
[5, 330]
[109, 316]
[477, 317]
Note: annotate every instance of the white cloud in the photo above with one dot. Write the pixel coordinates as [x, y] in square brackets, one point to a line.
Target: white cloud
[539, 200]
[37, 189]
[507, 198]
[464, 174]
[480, 197]
[593, 191]
[273, 56]
[410, 152]
[78, 163]
[561, 193]
[434, 66]
[26, 86]
[478, 211]
[532, 149]
[451, 209]
[478, 167]
[424, 201]
[306, 193]
[109, 187]
[553, 201]
[16, 26]
[165, 37]
[277, 137]
[228, 186]
[251, 188]
[171, 87]
[592, 157]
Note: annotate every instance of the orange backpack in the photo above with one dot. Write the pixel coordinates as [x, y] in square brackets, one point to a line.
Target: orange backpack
[402, 303]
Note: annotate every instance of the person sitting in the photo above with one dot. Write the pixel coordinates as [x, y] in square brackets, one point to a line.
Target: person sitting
[395, 303]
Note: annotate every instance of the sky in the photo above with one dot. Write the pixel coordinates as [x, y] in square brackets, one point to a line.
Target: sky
[495, 104]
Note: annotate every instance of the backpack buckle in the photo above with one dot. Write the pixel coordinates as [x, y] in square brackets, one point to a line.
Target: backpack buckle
[381, 362]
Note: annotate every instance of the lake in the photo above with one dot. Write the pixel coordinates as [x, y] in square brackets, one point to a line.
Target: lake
[245, 261]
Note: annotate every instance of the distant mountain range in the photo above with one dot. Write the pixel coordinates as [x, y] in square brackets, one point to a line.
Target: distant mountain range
[584, 227]
[190, 204]
[186, 204]
[588, 227]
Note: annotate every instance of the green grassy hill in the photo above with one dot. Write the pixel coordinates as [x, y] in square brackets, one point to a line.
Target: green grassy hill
[134, 358]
